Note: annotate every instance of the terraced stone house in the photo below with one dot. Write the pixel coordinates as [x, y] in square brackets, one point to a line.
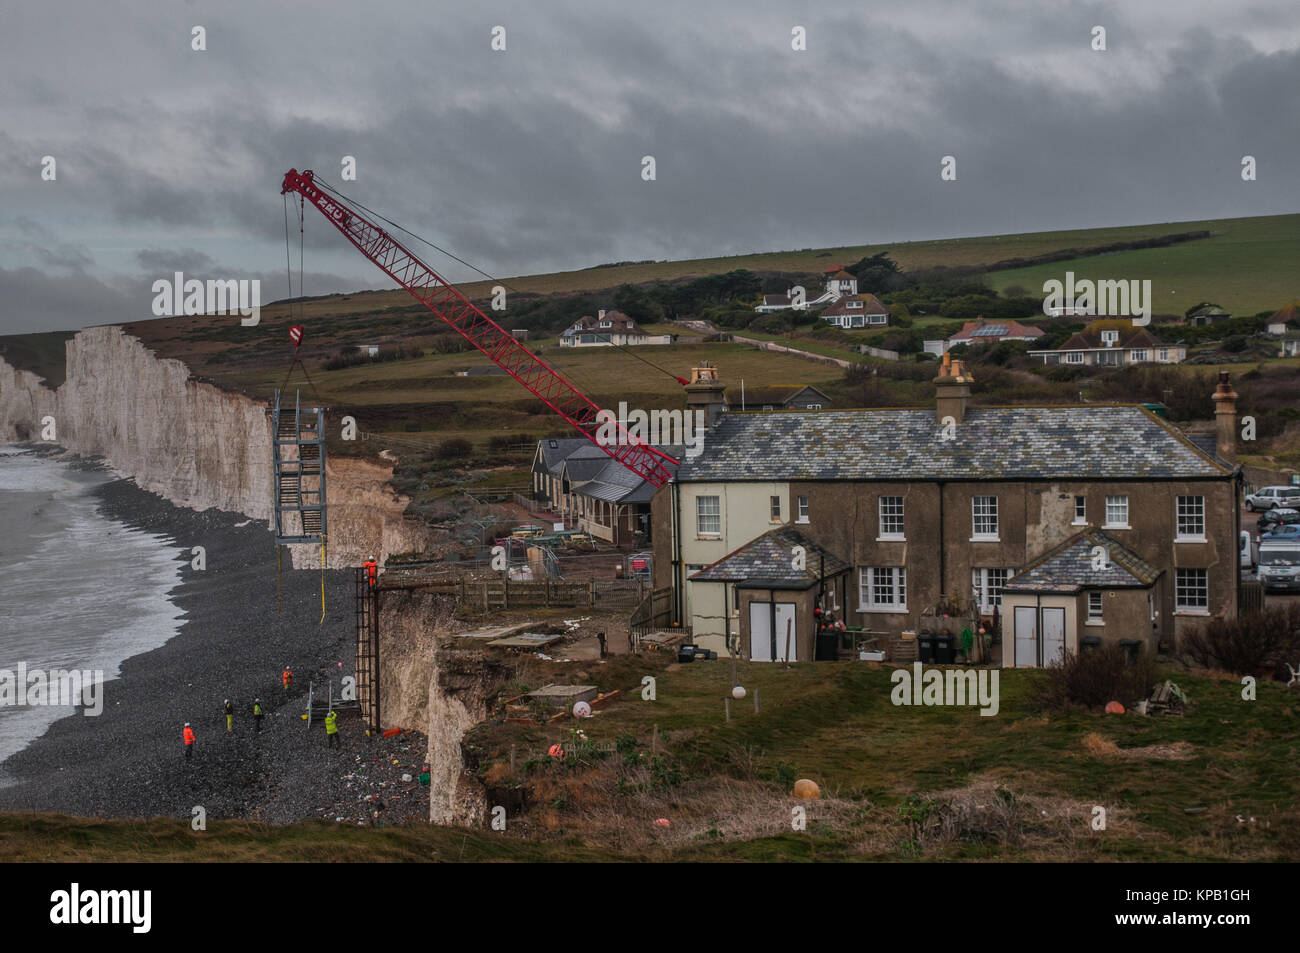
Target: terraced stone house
[1070, 522]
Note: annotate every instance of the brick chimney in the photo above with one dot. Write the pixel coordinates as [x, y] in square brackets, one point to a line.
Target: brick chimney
[952, 390]
[1225, 419]
[707, 393]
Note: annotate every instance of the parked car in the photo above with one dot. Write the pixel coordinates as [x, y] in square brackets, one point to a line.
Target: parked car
[1271, 497]
[1249, 551]
[1279, 565]
[1278, 517]
[1282, 531]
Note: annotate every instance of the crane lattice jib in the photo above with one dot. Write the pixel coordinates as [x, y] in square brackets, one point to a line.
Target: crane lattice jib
[543, 381]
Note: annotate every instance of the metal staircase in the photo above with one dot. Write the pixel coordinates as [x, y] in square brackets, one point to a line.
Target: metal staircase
[367, 663]
[299, 458]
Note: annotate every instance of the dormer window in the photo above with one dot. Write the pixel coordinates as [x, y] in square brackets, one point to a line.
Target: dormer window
[1109, 337]
[855, 304]
[607, 324]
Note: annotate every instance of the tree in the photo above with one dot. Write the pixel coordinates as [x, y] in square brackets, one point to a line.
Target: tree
[637, 304]
[879, 272]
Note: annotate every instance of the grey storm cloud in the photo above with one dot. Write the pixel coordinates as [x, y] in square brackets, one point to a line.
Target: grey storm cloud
[529, 160]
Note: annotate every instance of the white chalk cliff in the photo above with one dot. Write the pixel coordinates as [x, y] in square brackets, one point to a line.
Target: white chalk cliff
[192, 443]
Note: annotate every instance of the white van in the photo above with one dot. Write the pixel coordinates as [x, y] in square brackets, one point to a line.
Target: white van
[1279, 565]
[1249, 551]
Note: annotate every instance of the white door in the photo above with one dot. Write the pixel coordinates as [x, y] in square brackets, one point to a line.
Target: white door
[760, 632]
[786, 636]
[768, 643]
[1053, 636]
[1026, 632]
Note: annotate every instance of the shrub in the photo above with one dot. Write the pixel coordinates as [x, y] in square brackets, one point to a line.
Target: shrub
[455, 447]
[1094, 678]
[1251, 644]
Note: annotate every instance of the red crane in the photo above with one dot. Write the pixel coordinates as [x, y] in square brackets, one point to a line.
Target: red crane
[542, 380]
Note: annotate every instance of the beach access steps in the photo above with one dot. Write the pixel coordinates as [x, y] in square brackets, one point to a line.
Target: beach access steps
[298, 435]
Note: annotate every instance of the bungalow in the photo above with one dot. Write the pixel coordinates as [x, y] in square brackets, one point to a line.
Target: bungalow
[590, 489]
[857, 311]
[980, 331]
[1207, 315]
[778, 397]
[1283, 318]
[609, 329]
[1291, 344]
[1111, 343]
[1055, 524]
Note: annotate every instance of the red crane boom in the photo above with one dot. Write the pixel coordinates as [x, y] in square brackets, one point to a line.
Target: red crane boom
[542, 380]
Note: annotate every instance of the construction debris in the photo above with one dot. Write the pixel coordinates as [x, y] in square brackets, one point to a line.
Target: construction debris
[1167, 699]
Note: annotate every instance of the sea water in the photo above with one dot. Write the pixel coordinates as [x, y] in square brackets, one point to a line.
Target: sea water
[77, 590]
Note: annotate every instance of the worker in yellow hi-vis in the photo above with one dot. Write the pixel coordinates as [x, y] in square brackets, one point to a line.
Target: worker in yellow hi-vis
[332, 730]
[230, 717]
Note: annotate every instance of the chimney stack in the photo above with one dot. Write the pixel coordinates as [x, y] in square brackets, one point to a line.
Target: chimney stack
[952, 390]
[707, 393]
[1225, 419]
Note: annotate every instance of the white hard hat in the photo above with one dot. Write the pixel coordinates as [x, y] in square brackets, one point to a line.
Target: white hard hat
[187, 724]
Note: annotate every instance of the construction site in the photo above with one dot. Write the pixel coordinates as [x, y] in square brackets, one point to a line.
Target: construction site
[654, 648]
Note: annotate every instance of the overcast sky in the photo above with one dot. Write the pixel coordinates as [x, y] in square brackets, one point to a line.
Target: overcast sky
[529, 160]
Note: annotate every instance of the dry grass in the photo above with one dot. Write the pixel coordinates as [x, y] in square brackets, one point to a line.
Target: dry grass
[1098, 747]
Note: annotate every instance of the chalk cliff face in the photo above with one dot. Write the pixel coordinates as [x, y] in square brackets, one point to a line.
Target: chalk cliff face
[193, 444]
[427, 682]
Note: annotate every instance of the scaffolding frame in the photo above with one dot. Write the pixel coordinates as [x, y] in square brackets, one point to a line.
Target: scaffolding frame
[298, 444]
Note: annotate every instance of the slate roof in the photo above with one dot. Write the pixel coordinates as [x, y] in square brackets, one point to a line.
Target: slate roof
[555, 450]
[1069, 567]
[770, 557]
[1096, 441]
[594, 473]
[615, 483]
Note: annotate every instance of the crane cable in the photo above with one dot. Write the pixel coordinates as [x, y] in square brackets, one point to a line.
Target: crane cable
[325, 185]
[288, 266]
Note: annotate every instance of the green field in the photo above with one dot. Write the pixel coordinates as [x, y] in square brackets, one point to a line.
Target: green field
[1247, 266]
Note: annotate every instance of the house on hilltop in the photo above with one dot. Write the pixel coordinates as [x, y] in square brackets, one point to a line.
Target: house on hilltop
[1113, 342]
[1285, 318]
[1207, 315]
[980, 331]
[838, 283]
[609, 329]
[857, 311]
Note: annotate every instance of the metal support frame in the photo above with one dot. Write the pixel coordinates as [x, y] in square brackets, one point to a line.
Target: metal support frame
[298, 445]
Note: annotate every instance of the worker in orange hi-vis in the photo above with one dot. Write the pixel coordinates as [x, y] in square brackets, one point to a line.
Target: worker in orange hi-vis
[287, 678]
[372, 571]
[187, 733]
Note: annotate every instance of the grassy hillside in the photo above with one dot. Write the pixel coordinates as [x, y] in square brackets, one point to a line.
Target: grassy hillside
[1247, 265]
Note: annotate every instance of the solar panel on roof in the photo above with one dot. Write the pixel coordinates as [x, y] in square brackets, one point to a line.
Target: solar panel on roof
[989, 330]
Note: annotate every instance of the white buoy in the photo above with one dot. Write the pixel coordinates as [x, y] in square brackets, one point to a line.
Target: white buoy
[738, 692]
[581, 710]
